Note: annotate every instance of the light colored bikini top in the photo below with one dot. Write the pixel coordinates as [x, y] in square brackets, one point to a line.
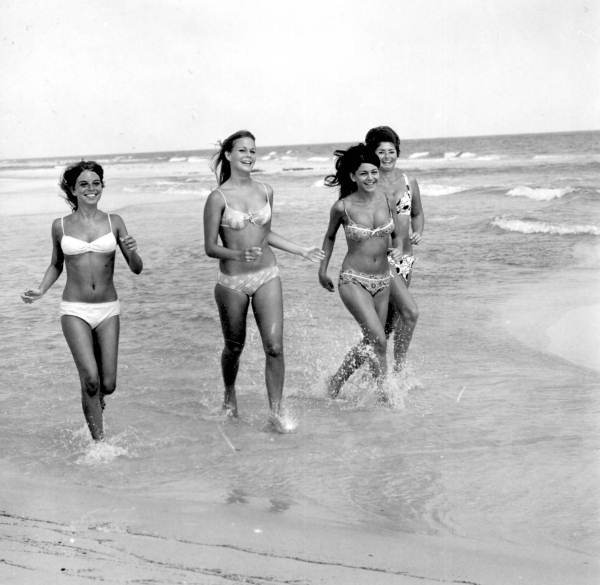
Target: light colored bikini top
[238, 220]
[404, 204]
[72, 246]
[360, 233]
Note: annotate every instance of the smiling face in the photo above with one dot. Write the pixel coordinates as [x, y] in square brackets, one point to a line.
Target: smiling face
[386, 151]
[366, 177]
[243, 155]
[88, 188]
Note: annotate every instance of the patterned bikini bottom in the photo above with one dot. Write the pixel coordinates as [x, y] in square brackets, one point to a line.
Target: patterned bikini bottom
[372, 283]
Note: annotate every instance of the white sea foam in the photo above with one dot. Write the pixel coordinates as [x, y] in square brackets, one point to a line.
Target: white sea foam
[177, 159]
[467, 155]
[318, 158]
[539, 193]
[543, 227]
[101, 453]
[419, 155]
[432, 190]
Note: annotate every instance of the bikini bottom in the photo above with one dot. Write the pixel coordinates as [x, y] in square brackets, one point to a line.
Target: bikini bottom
[372, 283]
[248, 282]
[92, 313]
[403, 268]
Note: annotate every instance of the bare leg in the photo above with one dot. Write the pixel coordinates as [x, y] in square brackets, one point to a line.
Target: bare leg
[233, 310]
[81, 343]
[106, 347]
[267, 304]
[402, 320]
[352, 361]
[370, 313]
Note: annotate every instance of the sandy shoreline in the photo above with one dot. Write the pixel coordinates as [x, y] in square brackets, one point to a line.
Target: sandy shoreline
[576, 336]
[561, 320]
[52, 534]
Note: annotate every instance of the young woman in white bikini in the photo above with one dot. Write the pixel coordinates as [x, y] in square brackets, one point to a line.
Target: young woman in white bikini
[369, 220]
[85, 242]
[237, 231]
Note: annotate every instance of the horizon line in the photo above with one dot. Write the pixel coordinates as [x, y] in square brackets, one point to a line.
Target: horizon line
[266, 146]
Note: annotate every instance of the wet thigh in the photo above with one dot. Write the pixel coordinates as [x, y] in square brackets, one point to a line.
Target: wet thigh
[81, 343]
[400, 297]
[364, 308]
[106, 345]
[233, 310]
[267, 304]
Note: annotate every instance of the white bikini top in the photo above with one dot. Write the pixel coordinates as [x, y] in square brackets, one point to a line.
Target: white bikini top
[72, 246]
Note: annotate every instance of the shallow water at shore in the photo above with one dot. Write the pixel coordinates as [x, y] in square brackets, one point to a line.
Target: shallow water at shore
[493, 434]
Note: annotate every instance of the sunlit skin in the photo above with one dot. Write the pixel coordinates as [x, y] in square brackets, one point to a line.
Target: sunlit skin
[402, 311]
[240, 252]
[369, 209]
[89, 280]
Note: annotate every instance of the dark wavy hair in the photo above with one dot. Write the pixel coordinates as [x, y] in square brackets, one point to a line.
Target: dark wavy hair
[219, 163]
[375, 136]
[70, 175]
[348, 162]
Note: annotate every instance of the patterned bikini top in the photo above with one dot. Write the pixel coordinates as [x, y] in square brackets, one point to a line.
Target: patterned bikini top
[238, 220]
[404, 204]
[360, 233]
[72, 246]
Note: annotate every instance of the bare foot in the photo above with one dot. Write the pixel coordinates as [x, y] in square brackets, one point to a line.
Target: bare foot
[230, 409]
[230, 403]
[280, 423]
[333, 387]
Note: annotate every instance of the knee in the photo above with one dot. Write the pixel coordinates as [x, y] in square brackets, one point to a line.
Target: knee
[379, 343]
[109, 385]
[410, 313]
[90, 384]
[274, 349]
[233, 349]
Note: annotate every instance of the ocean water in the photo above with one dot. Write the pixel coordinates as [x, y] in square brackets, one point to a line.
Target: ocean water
[493, 433]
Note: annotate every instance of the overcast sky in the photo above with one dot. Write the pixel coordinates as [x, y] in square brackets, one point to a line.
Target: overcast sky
[105, 76]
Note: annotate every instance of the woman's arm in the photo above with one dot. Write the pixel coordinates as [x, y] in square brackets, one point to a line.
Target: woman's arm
[128, 246]
[54, 269]
[312, 253]
[417, 216]
[213, 211]
[400, 240]
[335, 220]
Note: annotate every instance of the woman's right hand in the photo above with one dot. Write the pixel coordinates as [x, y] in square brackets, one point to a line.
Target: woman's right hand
[32, 294]
[251, 254]
[326, 282]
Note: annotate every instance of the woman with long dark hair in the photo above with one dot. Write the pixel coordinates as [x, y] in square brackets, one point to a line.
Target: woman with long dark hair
[369, 221]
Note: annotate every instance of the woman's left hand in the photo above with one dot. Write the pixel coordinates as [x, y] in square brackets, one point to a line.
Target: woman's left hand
[415, 238]
[314, 254]
[129, 243]
[395, 254]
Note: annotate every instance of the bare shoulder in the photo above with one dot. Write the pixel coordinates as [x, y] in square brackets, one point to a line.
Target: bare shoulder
[116, 220]
[215, 196]
[266, 188]
[56, 228]
[414, 186]
[339, 207]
